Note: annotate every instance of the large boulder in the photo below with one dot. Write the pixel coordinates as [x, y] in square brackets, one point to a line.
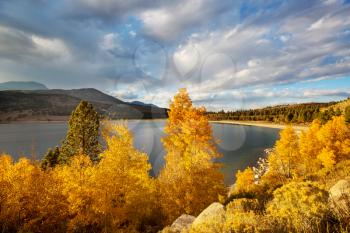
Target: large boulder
[181, 224]
[211, 220]
[340, 197]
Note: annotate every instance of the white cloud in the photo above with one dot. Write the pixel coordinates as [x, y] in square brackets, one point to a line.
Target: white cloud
[20, 45]
[51, 47]
[110, 41]
[132, 33]
[168, 22]
[300, 58]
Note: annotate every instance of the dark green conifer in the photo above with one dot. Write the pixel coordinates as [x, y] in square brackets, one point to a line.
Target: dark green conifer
[347, 114]
[82, 135]
[51, 158]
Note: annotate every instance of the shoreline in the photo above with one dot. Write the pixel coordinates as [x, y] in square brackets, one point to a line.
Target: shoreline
[263, 124]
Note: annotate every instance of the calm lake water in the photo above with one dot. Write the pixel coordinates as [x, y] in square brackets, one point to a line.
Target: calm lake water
[241, 146]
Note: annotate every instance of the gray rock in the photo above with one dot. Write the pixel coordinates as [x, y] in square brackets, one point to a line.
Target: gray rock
[181, 223]
[340, 197]
[211, 220]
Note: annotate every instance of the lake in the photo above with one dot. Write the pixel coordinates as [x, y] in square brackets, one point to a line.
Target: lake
[241, 146]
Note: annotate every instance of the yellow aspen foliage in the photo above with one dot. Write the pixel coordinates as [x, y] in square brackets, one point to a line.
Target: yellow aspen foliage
[335, 136]
[5, 167]
[327, 158]
[124, 190]
[310, 147]
[190, 179]
[34, 201]
[244, 180]
[284, 159]
[77, 177]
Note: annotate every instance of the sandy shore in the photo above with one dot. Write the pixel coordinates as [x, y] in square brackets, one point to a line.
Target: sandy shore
[262, 124]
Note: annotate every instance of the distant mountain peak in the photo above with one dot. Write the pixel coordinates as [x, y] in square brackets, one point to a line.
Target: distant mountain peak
[22, 85]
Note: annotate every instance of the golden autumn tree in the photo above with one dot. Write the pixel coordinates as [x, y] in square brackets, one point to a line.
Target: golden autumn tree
[79, 188]
[31, 199]
[244, 180]
[310, 147]
[334, 137]
[190, 179]
[284, 160]
[124, 190]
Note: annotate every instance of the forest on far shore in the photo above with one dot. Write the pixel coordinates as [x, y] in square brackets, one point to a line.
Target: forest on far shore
[290, 113]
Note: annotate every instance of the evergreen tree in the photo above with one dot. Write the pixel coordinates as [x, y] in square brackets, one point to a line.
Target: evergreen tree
[82, 135]
[337, 112]
[347, 114]
[51, 158]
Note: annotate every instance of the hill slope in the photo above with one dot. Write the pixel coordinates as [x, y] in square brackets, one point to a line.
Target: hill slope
[340, 105]
[22, 86]
[291, 113]
[58, 104]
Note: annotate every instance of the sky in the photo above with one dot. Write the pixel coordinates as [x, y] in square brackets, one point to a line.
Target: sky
[229, 54]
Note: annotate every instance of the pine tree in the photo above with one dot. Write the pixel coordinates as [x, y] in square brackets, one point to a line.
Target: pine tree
[190, 180]
[347, 114]
[82, 135]
[51, 158]
[337, 112]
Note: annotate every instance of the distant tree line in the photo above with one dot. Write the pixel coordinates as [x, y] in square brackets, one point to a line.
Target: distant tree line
[296, 113]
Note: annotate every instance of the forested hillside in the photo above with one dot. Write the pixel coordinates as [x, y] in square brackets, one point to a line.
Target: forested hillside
[57, 104]
[293, 113]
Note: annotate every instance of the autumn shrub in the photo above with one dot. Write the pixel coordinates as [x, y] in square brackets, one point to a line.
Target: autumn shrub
[246, 188]
[244, 222]
[244, 181]
[299, 206]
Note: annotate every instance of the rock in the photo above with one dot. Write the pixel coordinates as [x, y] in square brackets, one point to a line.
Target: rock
[211, 220]
[340, 197]
[181, 224]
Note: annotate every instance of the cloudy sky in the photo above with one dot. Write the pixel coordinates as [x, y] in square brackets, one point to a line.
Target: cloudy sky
[229, 54]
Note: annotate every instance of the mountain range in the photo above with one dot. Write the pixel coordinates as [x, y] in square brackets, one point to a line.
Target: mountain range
[28, 104]
[22, 86]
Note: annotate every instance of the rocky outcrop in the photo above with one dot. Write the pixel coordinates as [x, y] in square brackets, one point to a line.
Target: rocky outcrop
[182, 223]
[340, 197]
[211, 220]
